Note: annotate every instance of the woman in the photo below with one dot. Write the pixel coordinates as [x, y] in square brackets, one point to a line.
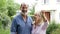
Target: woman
[40, 25]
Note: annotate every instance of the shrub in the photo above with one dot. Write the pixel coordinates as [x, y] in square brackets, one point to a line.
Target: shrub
[4, 20]
[57, 31]
[53, 27]
[2, 31]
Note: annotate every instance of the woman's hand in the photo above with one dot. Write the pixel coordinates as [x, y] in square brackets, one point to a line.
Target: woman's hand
[44, 16]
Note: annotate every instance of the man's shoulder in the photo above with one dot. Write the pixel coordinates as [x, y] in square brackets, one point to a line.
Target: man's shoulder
[16, 17]
[29, 17]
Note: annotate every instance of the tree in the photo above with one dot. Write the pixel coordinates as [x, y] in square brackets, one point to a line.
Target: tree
[5, 20]
[12, 7]
[7, 9]
[32, 10]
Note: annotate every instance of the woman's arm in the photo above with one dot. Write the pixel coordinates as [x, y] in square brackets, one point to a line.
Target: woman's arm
[44, 17]
[46, 22]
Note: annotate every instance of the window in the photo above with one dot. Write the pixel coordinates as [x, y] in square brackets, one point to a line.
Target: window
[46, 1]
[58, 0]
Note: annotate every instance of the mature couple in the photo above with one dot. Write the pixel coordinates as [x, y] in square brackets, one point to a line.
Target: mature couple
[22, 24]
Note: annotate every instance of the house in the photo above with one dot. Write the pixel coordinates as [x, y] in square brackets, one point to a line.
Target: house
[51, 9]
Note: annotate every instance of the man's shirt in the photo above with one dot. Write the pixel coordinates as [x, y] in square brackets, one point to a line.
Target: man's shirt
[19, 26]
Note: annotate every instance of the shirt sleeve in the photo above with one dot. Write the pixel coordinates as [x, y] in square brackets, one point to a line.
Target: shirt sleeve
[14, 27]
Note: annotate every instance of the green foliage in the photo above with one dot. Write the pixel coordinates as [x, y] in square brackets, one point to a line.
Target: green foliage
[52, 28]
[57, 31]
[4, 20]
[2, 31]
[32, 10]
[7, 9]
[3, 3]
[12, 8]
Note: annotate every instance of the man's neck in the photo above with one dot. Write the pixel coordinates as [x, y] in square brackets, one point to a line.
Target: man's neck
[24, 18]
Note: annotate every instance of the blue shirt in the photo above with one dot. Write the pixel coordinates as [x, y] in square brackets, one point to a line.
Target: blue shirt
[20, 26]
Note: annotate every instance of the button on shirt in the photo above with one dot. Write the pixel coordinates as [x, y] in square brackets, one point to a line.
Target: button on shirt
[19, 26]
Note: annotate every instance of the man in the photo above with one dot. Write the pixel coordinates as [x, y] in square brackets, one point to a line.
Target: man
[22, 24]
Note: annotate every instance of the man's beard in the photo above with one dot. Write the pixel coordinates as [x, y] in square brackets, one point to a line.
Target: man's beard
[24, 13]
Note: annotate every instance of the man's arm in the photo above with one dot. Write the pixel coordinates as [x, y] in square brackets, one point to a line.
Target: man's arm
[14, 27]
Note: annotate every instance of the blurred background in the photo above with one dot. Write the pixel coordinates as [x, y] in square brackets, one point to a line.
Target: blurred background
[10, 8]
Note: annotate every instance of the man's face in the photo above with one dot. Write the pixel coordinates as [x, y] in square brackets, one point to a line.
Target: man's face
[24, 9]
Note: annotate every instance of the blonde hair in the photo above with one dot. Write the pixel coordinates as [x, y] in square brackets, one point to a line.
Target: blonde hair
[40, 15]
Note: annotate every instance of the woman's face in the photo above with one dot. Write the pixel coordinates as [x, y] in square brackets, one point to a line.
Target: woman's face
[37, 18]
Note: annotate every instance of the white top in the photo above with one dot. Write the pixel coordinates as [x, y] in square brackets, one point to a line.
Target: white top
[40, 29]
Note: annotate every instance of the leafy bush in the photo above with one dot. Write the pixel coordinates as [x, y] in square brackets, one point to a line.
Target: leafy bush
[2, 31]
[7, 9]
[4, 20]
[12, 9]
[53, 28]
[57, 31]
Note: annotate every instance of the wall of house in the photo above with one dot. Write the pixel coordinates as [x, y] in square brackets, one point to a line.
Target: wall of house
[50, 5]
